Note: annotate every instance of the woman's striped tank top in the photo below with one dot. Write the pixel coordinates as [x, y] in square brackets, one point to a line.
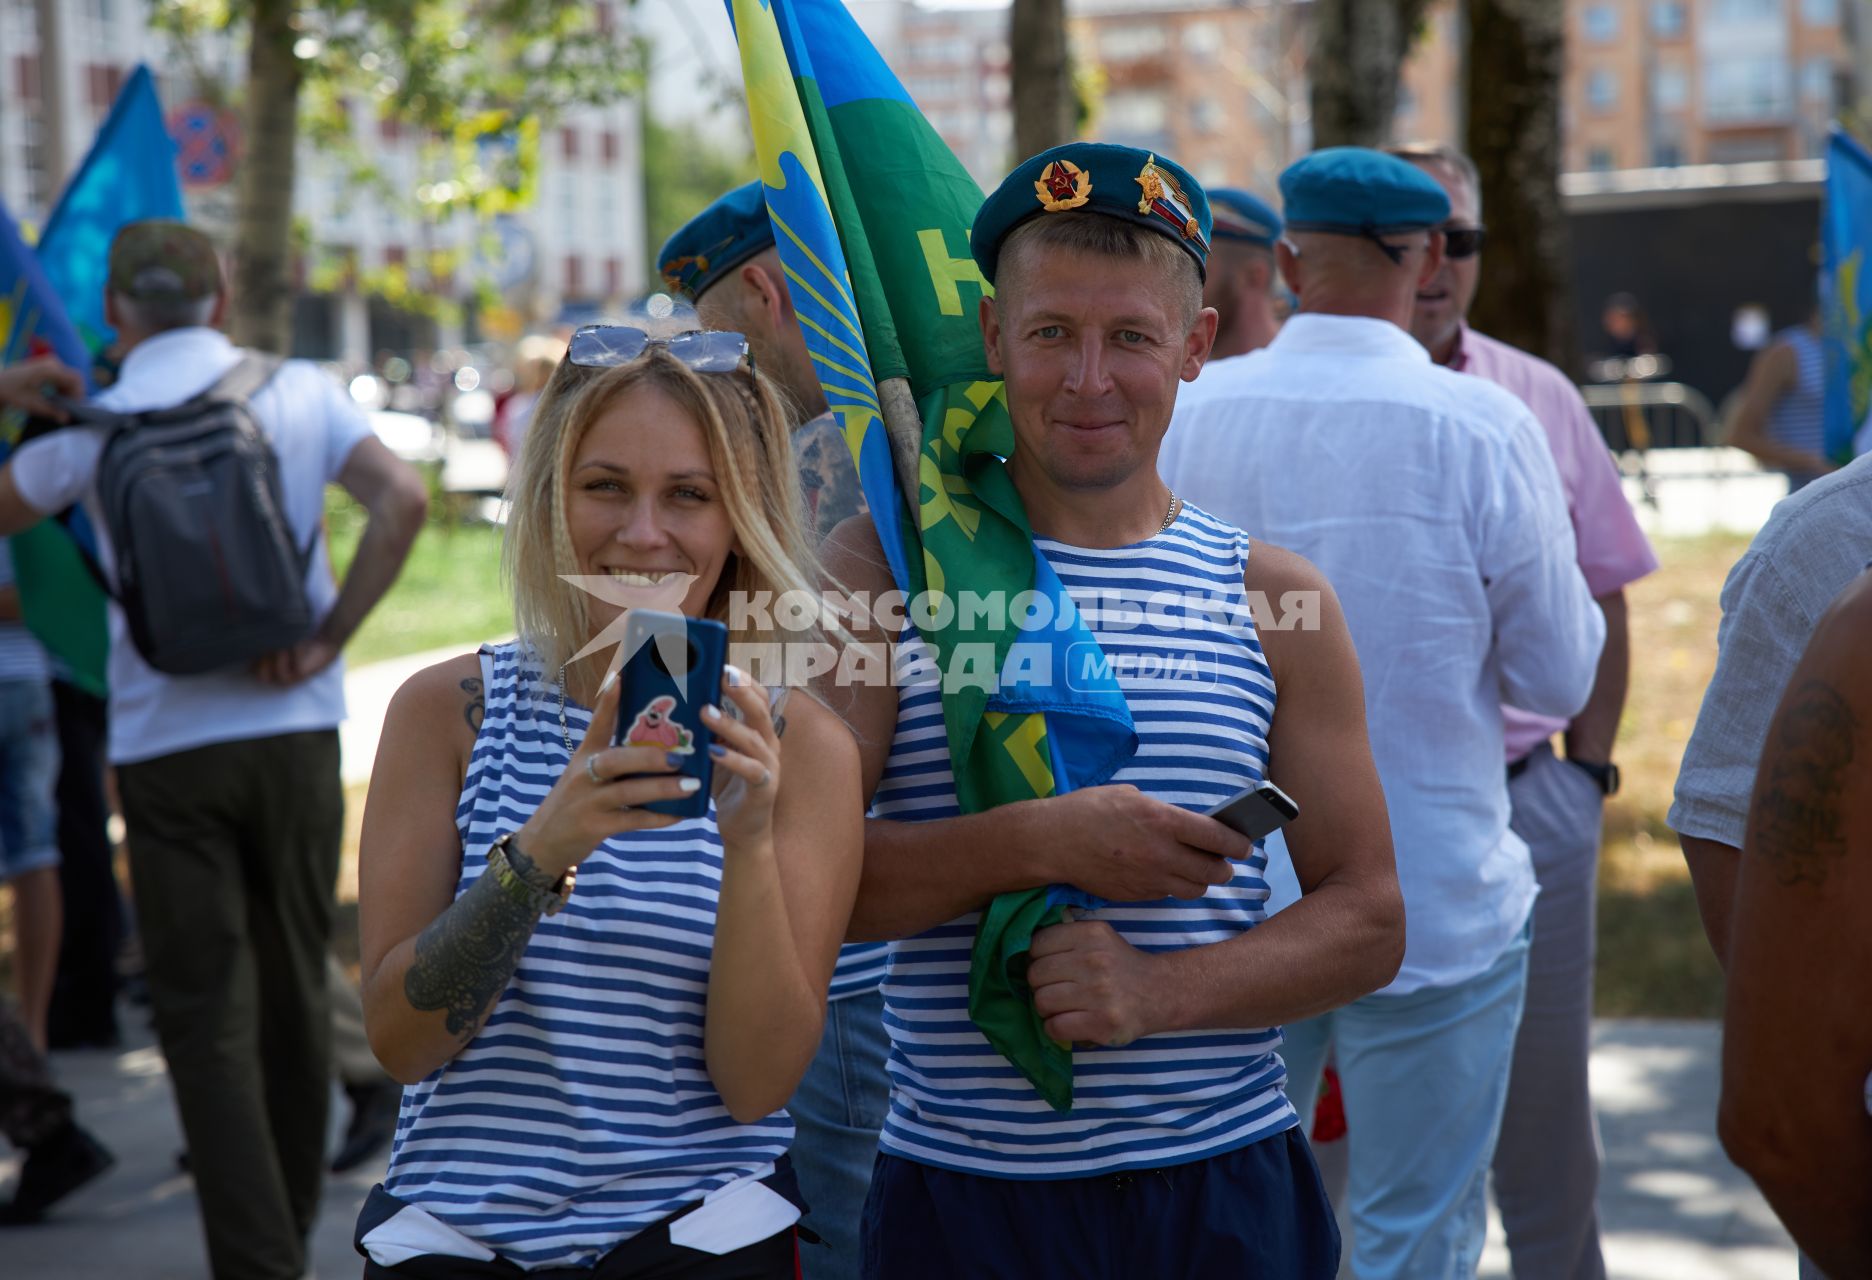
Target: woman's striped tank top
[1171, 617]
[583, 1111]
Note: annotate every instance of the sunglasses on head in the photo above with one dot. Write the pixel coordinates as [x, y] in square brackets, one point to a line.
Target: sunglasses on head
[605, 346]
[1463, 242]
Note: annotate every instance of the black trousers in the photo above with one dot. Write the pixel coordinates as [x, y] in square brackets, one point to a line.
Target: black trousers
[84, 996]
[234, 856]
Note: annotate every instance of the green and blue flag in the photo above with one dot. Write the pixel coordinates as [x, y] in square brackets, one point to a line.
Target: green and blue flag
[55, 298]
[871, 214]
[1846, 292]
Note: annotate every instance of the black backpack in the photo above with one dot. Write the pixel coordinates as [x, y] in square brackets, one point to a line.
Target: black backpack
[208, 574]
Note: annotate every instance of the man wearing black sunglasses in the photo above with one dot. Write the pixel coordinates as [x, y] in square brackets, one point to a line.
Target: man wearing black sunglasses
[1546, 1163]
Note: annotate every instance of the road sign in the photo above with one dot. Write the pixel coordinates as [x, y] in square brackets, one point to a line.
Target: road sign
[207, 143]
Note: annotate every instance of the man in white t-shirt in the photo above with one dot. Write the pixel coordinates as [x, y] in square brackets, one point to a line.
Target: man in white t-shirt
[229, 780]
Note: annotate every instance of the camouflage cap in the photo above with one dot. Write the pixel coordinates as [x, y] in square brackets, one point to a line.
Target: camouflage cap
[159, 258]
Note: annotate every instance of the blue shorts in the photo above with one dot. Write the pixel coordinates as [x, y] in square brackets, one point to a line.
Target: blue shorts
[1255, 1213]
[29, 765]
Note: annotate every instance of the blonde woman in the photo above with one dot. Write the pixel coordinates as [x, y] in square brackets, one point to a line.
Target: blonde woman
[596, 1064]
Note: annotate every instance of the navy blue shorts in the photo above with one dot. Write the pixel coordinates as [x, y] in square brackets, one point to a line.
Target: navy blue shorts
[1258, 1211]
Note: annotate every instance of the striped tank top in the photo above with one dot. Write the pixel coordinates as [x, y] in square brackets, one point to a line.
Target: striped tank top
[1171, 617]
[583, 1111]
[1799, 416]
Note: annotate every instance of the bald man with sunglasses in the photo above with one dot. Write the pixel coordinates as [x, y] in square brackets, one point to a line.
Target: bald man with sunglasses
[1546, 1166]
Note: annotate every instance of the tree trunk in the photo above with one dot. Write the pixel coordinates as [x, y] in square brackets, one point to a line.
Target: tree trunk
[1512, 83]
[260, 311]
[1043, 99]
[1358, 46]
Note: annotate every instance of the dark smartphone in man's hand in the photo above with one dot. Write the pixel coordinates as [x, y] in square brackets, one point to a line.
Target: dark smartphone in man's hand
[1256, 811]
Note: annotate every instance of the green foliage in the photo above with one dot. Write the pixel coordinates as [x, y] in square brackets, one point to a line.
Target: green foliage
[448, 595]
[683, 171]
[474, 81]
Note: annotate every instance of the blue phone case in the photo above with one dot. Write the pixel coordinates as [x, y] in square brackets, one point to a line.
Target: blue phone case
[675, 669]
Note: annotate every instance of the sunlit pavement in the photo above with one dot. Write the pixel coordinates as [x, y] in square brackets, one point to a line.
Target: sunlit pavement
[1671, 1206]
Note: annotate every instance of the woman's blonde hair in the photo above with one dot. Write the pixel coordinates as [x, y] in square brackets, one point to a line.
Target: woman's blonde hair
[750, 448]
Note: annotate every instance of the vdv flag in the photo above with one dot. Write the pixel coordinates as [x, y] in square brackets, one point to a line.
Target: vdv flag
[1846, 292]
[128, 175]
[871, 213]
[59, 600]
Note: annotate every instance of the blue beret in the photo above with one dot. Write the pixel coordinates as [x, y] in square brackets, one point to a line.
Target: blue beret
[1119, 182]
[1360, 192]
[1242, 215]
[716, 241]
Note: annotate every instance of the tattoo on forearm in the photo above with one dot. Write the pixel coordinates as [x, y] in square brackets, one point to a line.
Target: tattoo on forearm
[465, 959]
[476, 706]
[1797, 824]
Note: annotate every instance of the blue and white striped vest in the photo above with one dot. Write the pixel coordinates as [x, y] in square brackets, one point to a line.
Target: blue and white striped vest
[1202, 699]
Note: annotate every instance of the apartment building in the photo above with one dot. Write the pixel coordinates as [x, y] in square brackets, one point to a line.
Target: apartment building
[575, 251]
[1661, 83]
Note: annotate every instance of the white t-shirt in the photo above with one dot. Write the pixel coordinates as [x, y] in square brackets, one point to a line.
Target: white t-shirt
[1431, 502]
[312, 426]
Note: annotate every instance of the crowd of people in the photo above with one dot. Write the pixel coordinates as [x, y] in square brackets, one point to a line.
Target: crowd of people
[744, 1044]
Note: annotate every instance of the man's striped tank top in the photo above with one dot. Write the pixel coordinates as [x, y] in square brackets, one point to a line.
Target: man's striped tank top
[583, 1111]
[1798, 418]
[1202, 699]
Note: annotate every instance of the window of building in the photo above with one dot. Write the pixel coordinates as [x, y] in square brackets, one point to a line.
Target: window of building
[1670, 88]
[1668, 19]
[101, 84]
[608, 147]
[1751, 87]
[1599, 159]
[1722, 12]
[569, 142]
[574, 276]
[1206, 115]
[1123, 43]
[1202, 40]
[613, 277]
[1667, 153]
[1602, 91]
[1820, 13]
[1816, 82]
[1601, 23]
[1406, 103]
[1134, 113]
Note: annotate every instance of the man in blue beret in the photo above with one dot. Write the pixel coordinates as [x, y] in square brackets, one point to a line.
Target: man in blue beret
[1180, 1155]
[1242, 283]
[1431, 502]
[1547, 1160]
[724, 261]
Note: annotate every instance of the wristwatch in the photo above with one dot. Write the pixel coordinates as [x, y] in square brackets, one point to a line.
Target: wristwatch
[1606, 775]
[501, 867]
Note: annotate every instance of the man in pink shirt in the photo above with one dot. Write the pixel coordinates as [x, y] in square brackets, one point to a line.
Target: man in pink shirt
[1546, 1168]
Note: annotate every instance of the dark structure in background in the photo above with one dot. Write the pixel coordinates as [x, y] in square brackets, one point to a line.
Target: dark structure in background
[1693, 254]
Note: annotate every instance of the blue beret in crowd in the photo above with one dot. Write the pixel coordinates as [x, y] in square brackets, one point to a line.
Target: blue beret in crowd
[1119, 182]
[1356, 191]
[716, 241]
[1244, 216]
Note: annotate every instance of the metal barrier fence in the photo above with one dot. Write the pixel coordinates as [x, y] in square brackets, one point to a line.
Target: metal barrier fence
[1637, 416]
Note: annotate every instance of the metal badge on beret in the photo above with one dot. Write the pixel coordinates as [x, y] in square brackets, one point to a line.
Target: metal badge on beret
[1165, 199]
[1063, 185]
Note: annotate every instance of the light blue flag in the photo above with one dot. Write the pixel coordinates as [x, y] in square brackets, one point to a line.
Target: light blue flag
[129, 175]
[1846, 292]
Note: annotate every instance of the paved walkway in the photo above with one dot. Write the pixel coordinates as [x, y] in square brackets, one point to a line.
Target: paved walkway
[1672, 1207]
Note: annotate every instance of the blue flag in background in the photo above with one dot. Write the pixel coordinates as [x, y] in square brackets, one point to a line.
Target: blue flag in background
[1846, 291]
[129, 175]
[57, 305]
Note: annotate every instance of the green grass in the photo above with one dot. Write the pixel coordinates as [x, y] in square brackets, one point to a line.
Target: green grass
[449, 592]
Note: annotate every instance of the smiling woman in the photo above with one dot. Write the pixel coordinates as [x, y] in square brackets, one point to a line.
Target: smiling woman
[591, 1072]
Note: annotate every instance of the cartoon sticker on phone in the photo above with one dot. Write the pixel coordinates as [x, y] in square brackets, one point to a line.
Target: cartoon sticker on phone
[654, 727]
